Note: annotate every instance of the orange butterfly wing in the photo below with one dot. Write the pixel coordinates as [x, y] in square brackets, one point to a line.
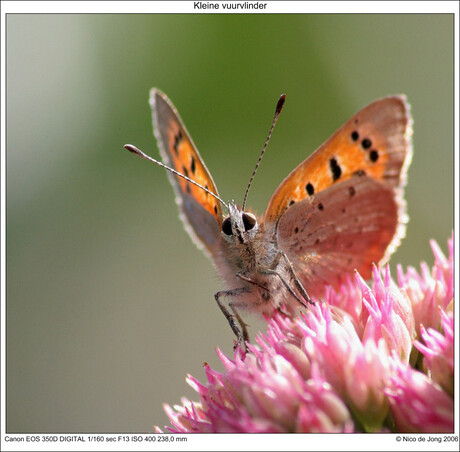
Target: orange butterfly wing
[342, 208]
[375, 142]
[200, 212]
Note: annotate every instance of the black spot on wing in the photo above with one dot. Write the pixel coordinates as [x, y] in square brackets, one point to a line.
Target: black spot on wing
[374, 155]
[366, 143]
[335, 169]
[193, 165]
[177, 139]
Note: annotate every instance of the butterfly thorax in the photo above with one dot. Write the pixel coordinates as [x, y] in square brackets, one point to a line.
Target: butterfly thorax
[249, 263]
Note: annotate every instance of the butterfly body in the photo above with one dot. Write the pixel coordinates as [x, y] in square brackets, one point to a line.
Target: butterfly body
[340, 210]
[250, 262]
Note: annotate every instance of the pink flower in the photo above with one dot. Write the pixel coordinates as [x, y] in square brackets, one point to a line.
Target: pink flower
[387, 314]
[261, 393]
[418, 404]
[358, 370]
[349, 364]
[438, 352]
[432, 289]
[349, 300]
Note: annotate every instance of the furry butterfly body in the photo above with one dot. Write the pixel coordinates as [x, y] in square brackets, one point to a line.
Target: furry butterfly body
[341, 209]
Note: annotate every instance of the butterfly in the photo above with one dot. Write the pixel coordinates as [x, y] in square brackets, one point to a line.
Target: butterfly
[341, 210]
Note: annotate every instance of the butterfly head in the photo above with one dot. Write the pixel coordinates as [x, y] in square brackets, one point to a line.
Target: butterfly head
[239, 226]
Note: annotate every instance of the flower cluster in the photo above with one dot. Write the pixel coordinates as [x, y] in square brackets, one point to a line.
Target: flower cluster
[367, 359]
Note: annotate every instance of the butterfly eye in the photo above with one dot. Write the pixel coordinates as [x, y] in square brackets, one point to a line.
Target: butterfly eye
[249, 221]
[227, 227]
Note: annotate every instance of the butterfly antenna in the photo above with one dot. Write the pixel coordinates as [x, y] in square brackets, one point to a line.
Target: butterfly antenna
[138, 152]
[279, 107]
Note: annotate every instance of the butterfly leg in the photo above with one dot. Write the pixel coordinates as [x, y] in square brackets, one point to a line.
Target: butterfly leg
[285, 283]
[241, 335]
[296, 280]
[282, 311]
[249, 280]
[242, 324]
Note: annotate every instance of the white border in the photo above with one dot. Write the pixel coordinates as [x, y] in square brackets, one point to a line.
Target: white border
[224, 441]
[273, 7]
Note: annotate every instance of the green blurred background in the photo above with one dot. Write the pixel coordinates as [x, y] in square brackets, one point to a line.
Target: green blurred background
[109, 303]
